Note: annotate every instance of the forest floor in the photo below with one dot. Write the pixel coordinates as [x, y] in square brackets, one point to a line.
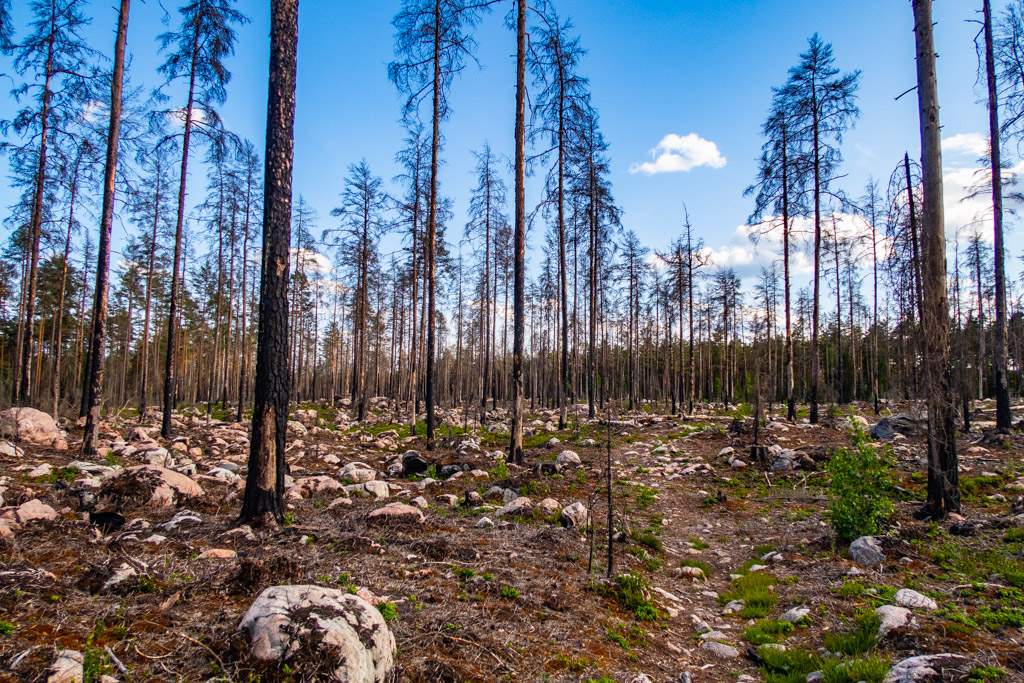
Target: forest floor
[515, 601]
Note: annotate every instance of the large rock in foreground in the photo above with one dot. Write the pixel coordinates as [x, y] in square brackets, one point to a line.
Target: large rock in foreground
[324, 624]
[33, 426]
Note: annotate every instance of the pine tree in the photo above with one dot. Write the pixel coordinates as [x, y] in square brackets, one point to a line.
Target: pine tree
[195, 54]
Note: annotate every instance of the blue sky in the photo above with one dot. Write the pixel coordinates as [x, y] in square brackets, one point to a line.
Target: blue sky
[701, 70]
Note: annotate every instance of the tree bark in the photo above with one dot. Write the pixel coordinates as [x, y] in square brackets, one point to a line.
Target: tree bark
[519, 247]
[99, 317]
[264, 485]
[943, 479]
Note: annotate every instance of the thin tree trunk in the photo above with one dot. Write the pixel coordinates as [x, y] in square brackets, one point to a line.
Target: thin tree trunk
[519, 247]
[170, 389]
[99, 331]
[999, 338]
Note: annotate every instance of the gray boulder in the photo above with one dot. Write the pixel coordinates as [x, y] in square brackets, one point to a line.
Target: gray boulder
[900, 423]
[866, 551]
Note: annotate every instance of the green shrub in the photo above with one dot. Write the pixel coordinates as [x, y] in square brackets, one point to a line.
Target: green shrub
[646, 538]
[858, 641]
[861, 490]
[509, 592]
[6, 628]
[985, 674]
[755, 590]
[868, 670]
[768, 631]
[788, 666]
[388, 611]
[500, 470]
[632, 593]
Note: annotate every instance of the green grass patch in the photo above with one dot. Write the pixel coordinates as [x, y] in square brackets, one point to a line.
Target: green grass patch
[768, 631]
[867, 669]
[755, 590]
[858, 641]
[788, 666]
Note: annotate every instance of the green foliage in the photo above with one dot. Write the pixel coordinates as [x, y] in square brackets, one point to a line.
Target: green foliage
[500, 470]
[858, 641]
[645, 496]
[755, 590]
[647, 539]
[388, 610]
[6, 628]
[788, 666]
[618, 639]
[860, 491]
[632, 594]
[94, 665]
[509, 592]
[985, 674]
[1014, 536]
[698, 544]
[867, 669]
[768, 631]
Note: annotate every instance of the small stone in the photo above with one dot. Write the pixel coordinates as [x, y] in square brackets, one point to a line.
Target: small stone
[796, 614]
[575, 516]
[217, 554]
[484, 523]
[34, 510]
[733, 607]
[41, 471]
[396, 513]
[67, 668]
[892, 618]
[695, 573]
[379, 489]
[448, 499]
[918, 669]
[420, 502]
[720, 649]
[566, 458]
[914, 600]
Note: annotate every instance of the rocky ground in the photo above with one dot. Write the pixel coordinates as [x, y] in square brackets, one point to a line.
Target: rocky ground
[132, 566]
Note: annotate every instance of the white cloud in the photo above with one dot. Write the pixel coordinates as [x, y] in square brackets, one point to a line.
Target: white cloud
[177, 116]
[680, 153]
[973, 144]
[313, 262]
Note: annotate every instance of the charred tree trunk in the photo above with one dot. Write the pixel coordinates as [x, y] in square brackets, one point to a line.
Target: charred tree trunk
[264, 485]
[519, 246]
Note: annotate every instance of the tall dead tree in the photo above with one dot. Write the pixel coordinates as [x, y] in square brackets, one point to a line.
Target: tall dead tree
[943, 478]
[264, 485]
[999, 337]
[823, 108]
[432, 46]
[204, 40]
[99, 315]
[519, 241]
